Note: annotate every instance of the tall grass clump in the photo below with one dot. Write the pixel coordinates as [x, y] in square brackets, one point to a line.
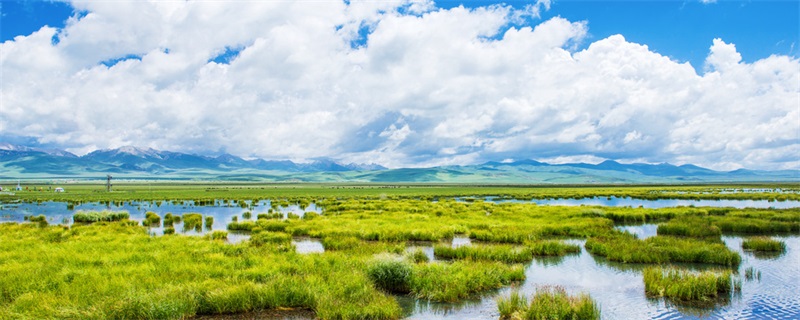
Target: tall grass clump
[690, 226]
[449, 282]
[548, 303]
[502, 253]
[555, 303]
[242, 226]
[418, 256]
[151, 219]
[684, 286]
[391, 274]
[169, 220]
[765, 244]
[41, 220]
[513, 306]
[193, 221]
[209, 222]
[97, 216]
[218, 235]
[552, 248]
[271, 215]
[340, 243]
[625, 248]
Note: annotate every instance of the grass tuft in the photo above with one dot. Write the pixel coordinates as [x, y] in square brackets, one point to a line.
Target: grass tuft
[764, 244]
[684, 286]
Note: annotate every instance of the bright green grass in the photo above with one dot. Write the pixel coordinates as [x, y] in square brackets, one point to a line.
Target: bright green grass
[96, 216]
[685, 286]
[763, 244]
[105, 271]
[548, 303]
[625, 248]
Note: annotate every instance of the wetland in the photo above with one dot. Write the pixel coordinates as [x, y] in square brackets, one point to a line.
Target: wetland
[408, 251]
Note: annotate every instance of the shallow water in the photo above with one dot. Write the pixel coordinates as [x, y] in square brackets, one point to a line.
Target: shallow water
[58, 213]
[308, 245]
[619, 288]
[653, 204]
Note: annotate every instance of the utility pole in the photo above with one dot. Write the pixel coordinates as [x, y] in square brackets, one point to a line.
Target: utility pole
[108, 183]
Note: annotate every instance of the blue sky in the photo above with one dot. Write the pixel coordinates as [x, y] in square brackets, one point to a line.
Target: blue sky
[410, 82]
[681, 30]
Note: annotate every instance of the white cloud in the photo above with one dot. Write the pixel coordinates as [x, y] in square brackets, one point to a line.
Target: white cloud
[427, 86]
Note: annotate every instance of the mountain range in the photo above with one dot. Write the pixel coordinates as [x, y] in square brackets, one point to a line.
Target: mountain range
[21, 162]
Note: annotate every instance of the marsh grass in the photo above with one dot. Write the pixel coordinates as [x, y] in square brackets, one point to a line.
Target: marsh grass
[151, 219]
[548, 303]
[340, 243]
[271, 215]
[391, 274]
[417, 256]
[209, 222]
[687, 287]
[763, 244]
[501, 253]
[625, 248]
[690, 226]
[97, 216]
[39, 220]
[218, 235]
[448, 282]
[552, 248]
[266, 237]
[751, 274]
[193, 221]
[117, 271]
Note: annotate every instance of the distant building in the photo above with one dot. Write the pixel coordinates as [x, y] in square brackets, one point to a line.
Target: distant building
[59, 189]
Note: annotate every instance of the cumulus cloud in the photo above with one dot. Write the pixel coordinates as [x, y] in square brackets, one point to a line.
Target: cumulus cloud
[401, 83]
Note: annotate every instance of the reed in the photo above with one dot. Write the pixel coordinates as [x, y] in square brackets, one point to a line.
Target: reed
[218, 235]
[555, 303]
[450, 282]
[684, 286]
[513, 306]
[151, 219]
[193, 221]
[391, 274]
[97, 216]
[271, 215]
[418, 256]
[625, 248]
[552, 248]
[763, 244]
[340, 243]
[501, 253]
[690, 226]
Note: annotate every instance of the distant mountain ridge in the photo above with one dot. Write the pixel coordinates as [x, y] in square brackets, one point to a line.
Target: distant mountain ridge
[146, 163]
[149, 160]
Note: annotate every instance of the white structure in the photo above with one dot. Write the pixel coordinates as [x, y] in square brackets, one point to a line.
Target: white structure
[59, 189]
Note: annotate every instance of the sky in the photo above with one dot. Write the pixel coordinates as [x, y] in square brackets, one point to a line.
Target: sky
[409, 83]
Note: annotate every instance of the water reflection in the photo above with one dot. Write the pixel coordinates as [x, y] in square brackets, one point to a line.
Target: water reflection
[653, 204]
[222, 211]
[619, 288]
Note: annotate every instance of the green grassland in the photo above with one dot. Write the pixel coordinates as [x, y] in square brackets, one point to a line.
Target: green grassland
[115, 269]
